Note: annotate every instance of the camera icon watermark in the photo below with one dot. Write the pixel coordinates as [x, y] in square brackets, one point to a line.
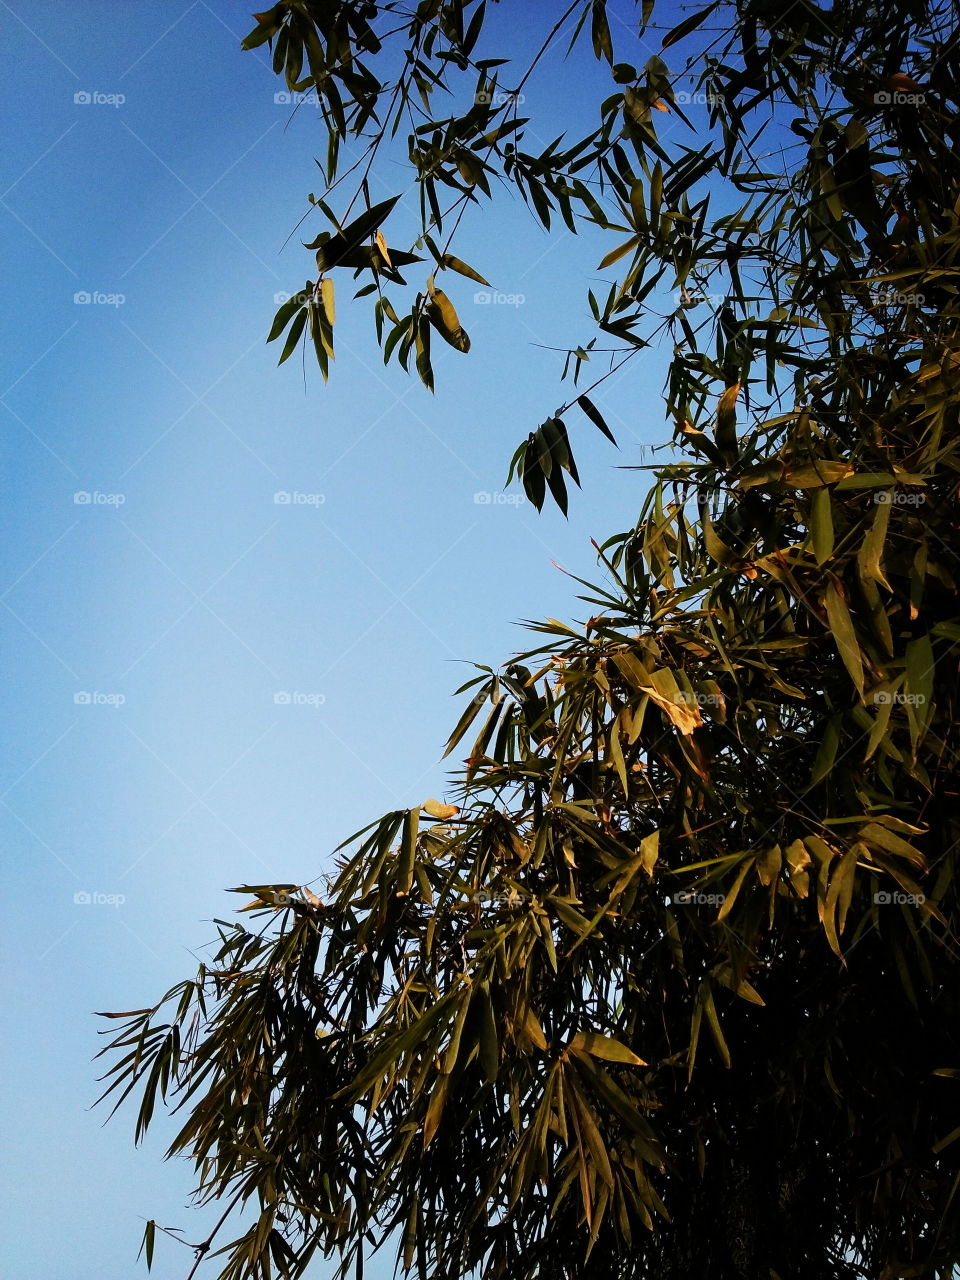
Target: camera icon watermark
[287, 698]
[96, 298]
[886, 897]
[498, 499]
[294, 498]
[94, 898]
[94, 98]
[94, 498]
[85, 698]
[491, 298]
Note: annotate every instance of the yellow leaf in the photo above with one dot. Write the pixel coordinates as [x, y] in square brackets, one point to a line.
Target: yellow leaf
[384, 251]
[443, 316]
[728, 399]
[434, 809]
[649, 852]
[680, 709]
[531, 1025]
[798, 859]
[431, 1121]
[768, 864]
[328, 297]
[599, 1046]
[816, 474]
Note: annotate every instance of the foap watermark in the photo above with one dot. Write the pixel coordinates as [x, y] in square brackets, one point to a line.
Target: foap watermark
[96, 298]
[94, 98]
[94, 898]
[693, 699]
[94, 498]
[87, 698]
[294, 698]
[496, 97]
[696, 297]
[886, 897]
[495, 895]
[498, 499]
[294, 498]
[693, 897]
[490, 298]
[884, 697]
[694, 98]
[303, 297]
[898, 98]
[899, 498]
[894, 298]
[309, 98]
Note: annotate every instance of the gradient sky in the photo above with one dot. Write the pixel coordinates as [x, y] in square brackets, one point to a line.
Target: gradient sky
[147, 765]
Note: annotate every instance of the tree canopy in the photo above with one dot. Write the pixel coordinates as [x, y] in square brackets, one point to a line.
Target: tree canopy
[672, 990]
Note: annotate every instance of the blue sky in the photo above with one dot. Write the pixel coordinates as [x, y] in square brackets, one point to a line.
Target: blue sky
[147, 631]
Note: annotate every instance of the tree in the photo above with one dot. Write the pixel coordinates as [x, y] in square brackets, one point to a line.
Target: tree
[673, 991]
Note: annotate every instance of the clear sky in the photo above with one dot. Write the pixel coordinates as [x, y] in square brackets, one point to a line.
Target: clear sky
[148, 763]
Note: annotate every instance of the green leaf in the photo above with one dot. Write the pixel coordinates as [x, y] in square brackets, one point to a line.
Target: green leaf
[283, 317]
[841, 625]
[454, 264]
[827, 751]
[602, 43]
[489, 1042]
[422, 343]
[470, 714]
[147, 1243]
[689, 24]
[616, 254]
[267, 27]
[294, 335]
[593, 413]
[335, 250]
[870, 555]
[730, 898]
[408, 851]
[921, 668]
[821, 525]
[713, 1022]
[532, 476]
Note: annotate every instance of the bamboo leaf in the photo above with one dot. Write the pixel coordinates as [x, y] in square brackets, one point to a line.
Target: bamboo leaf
[689, 24]
[844, 633]
[293, 338]
[408, 851]
[606, 1047]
